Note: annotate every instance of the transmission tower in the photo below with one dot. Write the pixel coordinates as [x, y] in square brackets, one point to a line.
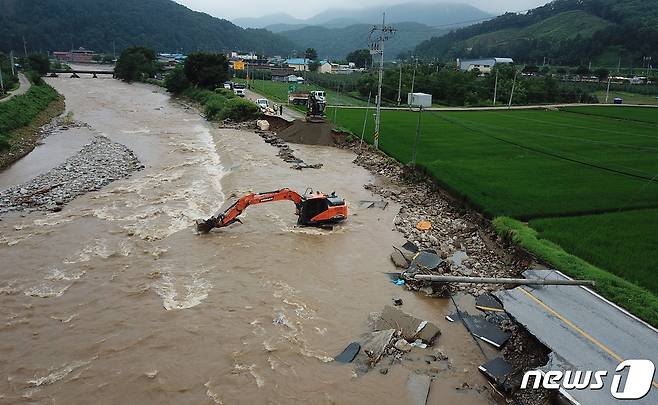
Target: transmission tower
[378, 35]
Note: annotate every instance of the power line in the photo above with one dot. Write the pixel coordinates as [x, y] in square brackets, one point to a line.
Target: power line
[465, 22]
[547, 153]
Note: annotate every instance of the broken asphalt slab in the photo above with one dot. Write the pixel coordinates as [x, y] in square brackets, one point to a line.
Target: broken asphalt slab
[496, 370]
[411, 327]
[350, 352]
[486, 331]
[584, 332]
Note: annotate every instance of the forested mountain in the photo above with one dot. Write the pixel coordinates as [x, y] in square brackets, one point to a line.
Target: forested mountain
[336, 43]
[433, 14]
[163, 25]
[564, 31]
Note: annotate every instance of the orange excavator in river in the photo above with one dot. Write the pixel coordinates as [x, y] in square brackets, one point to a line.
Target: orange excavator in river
[312, 208]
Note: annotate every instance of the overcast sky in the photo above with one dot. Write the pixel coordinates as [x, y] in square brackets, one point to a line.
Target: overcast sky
[230, 9]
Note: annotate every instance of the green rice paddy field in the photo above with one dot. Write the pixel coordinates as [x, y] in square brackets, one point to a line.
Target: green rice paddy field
[585, 177]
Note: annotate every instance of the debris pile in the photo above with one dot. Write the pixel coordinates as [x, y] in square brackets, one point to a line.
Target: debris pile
[518, 350]
[429, 219]
[245, 125]
[395, 333]
[286, 153]
[308, 133]
[96, 165]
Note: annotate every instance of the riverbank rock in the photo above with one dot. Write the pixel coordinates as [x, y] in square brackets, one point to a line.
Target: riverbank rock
[96, 165]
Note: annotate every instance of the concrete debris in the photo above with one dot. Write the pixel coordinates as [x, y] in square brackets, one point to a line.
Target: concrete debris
[285, 151]
[242, 125]
[418, 388]
[399, 260]
[373, 204]
[373, 346]
[453, 229]
[96, 165]
[403, 346]
[410, 327]
[349, 353]
[486, 331]
[263, 125]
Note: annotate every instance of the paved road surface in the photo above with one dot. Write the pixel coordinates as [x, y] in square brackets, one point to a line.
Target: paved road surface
[585, 332]
[22, 89]
[289, 114]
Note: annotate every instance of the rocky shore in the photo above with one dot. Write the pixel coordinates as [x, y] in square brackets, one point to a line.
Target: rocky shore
[96, 165]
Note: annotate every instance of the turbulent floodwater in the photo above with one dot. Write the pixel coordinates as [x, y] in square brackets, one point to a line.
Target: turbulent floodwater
[116, 300]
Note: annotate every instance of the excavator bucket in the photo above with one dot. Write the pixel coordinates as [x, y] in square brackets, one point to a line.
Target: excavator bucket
[203, 226]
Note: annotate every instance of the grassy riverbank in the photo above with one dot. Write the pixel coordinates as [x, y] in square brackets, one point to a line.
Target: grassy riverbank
[22, 116]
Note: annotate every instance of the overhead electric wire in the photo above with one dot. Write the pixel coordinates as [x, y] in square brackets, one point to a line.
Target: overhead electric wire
[547, 153]
[462, 23]
[571, 138]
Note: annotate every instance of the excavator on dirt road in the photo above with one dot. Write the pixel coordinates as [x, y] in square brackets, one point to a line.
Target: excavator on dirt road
[312, 209]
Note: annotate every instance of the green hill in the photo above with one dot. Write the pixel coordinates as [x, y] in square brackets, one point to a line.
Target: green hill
[565, 31]
[338, 42]
[163, 25]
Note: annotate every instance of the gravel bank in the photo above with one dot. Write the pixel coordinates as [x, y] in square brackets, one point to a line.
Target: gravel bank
[96, 165]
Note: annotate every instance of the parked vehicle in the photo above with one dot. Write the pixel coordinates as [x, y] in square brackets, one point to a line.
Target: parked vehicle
[263, 103]
[301, 98]
[239, 90]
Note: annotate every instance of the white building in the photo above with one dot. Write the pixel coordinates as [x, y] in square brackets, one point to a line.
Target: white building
[483, 65]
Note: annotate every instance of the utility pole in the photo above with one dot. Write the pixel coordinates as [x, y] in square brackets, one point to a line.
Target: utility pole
[377, 38]
[413, 79]
[619, 65]
[11, 60]
[365, 121]
[512, 93]
[2, 84]
[495, 88]
[413, 155]
[607, 92]
[400, 86]
[24, 46]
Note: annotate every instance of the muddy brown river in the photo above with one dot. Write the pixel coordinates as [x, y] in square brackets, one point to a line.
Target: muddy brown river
[115, 299]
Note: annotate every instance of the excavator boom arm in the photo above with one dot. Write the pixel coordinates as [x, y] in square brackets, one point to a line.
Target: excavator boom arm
[230, 215]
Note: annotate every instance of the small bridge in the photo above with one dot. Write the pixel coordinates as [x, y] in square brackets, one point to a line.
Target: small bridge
[76, 73]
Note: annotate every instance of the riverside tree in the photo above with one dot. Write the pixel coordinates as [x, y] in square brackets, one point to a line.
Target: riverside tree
[136, 63]
[207, 70]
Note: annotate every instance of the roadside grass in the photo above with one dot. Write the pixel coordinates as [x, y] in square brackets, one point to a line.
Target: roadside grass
[622, 243]
[639, 114]
[628, 295]
[278, 91]
[629, 98]
[525, 164]
[21, 110]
